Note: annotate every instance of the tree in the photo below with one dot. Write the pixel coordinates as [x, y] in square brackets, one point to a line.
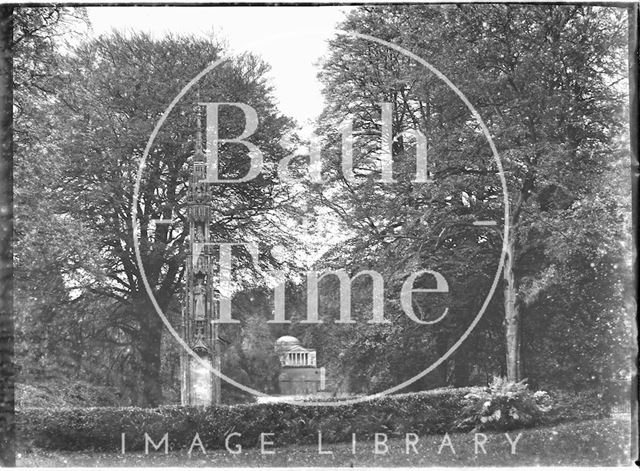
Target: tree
[110, 94]
[565, 120]
[51, 316]
[20, 29]
[544, 81]
[404, 227]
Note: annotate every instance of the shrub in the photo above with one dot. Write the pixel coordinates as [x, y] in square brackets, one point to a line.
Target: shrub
[504, 405]
[56, 392]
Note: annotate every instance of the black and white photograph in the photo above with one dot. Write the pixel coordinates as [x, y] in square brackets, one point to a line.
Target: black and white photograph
[318, 235]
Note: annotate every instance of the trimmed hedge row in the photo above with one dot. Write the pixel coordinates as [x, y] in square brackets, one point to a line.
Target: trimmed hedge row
[100, 428]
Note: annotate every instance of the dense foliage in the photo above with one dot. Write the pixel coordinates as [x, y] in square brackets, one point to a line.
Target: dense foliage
[82, 310]
[549, 82]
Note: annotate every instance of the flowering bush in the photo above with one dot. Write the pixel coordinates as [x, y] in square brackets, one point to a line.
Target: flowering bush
[504, 405]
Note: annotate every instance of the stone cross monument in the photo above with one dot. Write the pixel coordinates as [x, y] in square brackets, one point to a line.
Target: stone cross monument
[199, 386]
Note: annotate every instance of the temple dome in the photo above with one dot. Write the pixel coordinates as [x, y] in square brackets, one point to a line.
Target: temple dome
[287, 340]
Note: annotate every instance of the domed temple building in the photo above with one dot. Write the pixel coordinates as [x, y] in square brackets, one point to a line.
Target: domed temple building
[299, 375]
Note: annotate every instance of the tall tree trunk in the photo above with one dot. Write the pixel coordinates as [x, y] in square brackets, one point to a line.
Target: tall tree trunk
[512, 327]
[7, 426]
[511, 313]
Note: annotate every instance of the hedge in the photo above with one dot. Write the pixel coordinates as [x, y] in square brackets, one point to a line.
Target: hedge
[100, 428]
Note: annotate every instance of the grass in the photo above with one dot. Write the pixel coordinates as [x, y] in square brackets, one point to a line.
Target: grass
[603, 442]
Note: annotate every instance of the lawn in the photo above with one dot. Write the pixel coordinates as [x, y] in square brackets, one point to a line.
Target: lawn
[603, 442]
